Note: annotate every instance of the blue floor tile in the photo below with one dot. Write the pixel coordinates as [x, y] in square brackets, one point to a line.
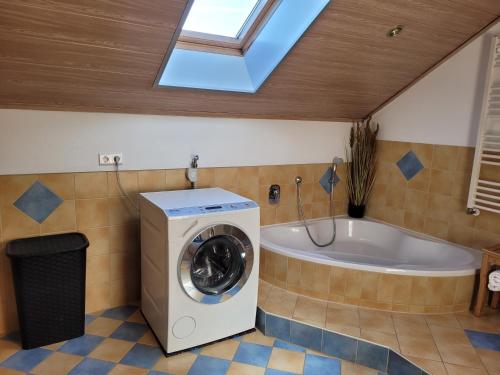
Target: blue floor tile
[307, 336]
[286, 345]
[120, 313]
[484, 340]
[253, 354]
[144, 356]
[25, 360]
[318, 365]
[82, 345]
[208, 365]
[339, 346]
[277, 327]
[157, 373]
[91, 366]
[130, 331]
[399, 365]
[271, 371]
[373, 356]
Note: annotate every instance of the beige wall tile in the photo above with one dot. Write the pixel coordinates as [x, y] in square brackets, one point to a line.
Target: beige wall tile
[152, 180]
[121, 211]
[98, 269]
[445, 157]
[17, 224]
[91, 213]
[12, 187]
[176, 179]
[62, 184]
[441, 182]
[129, 181]
[415, 201]
[63, 219]
[98, 240]
[91, 185]
[97, 297]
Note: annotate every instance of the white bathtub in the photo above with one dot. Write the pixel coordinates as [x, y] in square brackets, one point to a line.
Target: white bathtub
[371, 246]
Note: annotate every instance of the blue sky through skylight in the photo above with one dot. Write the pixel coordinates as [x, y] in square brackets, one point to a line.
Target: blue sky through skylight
[219, 17]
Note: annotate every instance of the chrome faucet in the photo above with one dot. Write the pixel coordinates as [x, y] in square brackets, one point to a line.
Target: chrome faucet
[274, 194]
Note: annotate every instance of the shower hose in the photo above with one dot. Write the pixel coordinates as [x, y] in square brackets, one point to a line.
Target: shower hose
[300, 210]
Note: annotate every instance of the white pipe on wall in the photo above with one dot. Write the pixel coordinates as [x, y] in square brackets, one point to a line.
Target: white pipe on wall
[51, 141]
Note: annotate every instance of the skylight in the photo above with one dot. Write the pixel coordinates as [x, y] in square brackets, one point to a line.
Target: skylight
[235, 45]
[219, 17]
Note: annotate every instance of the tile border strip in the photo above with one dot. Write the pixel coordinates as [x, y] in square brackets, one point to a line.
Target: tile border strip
[359, 351]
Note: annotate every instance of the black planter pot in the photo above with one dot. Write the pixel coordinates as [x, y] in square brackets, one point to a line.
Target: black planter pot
[356, 212]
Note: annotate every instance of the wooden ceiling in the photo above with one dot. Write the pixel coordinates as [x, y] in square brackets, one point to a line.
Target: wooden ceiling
[104, 55]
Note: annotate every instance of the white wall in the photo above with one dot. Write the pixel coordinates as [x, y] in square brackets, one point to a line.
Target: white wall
[445, 106]
[46, 141]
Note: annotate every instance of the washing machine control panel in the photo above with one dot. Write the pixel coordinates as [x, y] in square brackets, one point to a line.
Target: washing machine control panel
[200, 210]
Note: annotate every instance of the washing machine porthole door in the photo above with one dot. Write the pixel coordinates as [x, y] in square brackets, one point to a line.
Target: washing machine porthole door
[216, 263]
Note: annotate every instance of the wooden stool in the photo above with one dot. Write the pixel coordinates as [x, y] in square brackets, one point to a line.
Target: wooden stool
[491, 257]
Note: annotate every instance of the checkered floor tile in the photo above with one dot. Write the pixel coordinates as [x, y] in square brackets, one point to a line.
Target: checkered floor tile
[118, 341]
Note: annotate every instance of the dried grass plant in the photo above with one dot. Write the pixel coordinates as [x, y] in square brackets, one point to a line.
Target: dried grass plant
[362, 155]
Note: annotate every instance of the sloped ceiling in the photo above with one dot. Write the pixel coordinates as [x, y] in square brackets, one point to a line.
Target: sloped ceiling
[104, 55]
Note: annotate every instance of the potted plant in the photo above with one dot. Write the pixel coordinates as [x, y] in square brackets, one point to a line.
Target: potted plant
[361, 169]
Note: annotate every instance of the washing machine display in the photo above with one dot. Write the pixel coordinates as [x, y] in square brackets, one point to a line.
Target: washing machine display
[216, 262]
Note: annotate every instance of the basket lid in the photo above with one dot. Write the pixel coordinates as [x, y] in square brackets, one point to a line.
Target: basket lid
[46, 245]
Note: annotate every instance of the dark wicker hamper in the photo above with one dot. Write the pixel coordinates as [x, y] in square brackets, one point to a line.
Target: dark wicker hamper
[49, 281]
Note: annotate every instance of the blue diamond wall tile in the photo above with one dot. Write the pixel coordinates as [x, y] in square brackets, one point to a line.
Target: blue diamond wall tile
[410, 165]
[38, 202]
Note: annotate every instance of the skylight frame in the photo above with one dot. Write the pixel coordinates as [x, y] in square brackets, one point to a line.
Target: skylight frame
[198, 41]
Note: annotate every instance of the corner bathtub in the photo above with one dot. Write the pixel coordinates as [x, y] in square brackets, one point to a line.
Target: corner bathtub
[370, 264]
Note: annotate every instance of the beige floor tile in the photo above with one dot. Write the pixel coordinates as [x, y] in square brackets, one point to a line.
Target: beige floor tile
[280, 302]
[339, 314]
[310, 311]
[469, 321]
[286, 360]
[127, 370]
[419, 347]
[237, 368]
[258, 338]
[177, 364]
[449, 336]
[223, 349]
[8, 371]
[345, 329]
[55, 346]
[463, 355]
[136, 317]
[102, 326]
[491, 359]
[411, 325]
[386, 339]
[445, 320]
[149, 339]
[349, 368]
[8, 348]
[111, 350]
[57, 364]
[461, 370]
[376, 321]
[431, 367]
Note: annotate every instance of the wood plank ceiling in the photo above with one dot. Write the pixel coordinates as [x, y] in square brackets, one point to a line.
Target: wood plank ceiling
[103, 55]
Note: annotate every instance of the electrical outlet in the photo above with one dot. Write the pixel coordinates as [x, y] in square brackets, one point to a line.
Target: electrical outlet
[109, 159]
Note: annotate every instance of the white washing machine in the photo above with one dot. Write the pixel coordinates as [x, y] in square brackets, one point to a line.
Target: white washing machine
[199, 265]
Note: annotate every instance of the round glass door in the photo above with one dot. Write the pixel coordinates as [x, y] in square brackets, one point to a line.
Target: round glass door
[216, 263]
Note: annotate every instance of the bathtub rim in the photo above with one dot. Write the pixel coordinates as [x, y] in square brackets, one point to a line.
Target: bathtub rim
[371, 268]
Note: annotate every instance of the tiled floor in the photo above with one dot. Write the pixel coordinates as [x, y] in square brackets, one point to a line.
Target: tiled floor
[118, 341]
[440, 344]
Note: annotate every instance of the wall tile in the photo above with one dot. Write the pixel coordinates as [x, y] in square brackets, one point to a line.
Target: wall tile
[306, 336]
[441, 182]
[63, 219]
[129, 181]
[176, 179]
[98, 240]
[445, 157]
[12, 187]
[339, 346]
[372, 356]
[121, 211]
[16, 224]
[91, 213]
[62, 184]
[91, 185]
[152, 180]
